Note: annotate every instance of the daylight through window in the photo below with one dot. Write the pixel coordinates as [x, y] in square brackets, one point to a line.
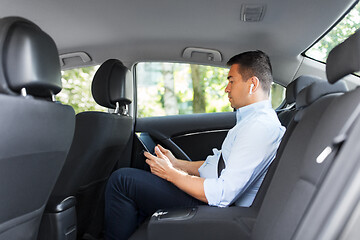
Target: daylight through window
[177, 88]
[346, 27]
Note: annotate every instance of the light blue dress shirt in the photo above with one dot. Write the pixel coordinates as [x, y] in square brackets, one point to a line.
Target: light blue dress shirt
[248, 149]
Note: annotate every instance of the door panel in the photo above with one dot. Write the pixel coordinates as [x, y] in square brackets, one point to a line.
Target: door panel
[189, 137]
[199, 145]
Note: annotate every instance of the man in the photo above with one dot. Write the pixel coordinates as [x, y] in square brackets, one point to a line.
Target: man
[247, 151]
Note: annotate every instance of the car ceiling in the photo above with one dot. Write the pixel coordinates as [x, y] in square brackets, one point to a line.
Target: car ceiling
[159, 30]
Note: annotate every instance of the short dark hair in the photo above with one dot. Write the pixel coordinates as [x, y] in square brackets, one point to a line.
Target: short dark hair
[254, 63]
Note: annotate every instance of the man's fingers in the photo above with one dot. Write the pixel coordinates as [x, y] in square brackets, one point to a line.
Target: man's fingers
[161, 148]
[149, 156]
[159, 152]
[149, 162]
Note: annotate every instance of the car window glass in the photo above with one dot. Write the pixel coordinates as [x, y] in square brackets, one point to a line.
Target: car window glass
[177, 88]
[346, 27]
[76, 90]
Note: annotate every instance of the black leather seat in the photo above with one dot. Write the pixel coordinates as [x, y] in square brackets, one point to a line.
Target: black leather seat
[99, 142]
[36, 132]
[292, 90]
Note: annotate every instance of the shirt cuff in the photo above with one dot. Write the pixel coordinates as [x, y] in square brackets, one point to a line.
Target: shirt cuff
[213, 191]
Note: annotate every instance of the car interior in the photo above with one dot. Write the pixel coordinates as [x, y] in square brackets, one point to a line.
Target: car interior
[56, 159]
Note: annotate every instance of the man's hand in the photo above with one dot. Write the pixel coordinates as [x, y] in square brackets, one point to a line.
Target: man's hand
[160, 165]
[182, 165]
[168, 154]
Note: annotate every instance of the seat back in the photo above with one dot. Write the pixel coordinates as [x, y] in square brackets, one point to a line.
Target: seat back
[299, 175]
[318, 89]
[99, 142]
[36, 133]
[292, 91]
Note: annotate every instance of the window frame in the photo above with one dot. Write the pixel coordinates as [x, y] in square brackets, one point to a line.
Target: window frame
[327, 31]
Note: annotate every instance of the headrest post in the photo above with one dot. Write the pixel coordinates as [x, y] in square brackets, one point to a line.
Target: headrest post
[121, 110]
[117, 109]
[53, 96]
[124, 110]
[23, 92]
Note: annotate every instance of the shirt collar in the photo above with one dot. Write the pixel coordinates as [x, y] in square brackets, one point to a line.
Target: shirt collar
[245, 111]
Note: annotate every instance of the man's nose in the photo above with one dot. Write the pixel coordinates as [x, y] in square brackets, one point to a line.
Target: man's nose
[227, 89]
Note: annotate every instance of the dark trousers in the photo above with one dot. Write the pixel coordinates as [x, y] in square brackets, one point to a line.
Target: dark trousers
[132, 195]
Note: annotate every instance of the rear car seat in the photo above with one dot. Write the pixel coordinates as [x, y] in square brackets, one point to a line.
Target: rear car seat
[292, 90]
[296, 180]
[319, 88]
[334, 212]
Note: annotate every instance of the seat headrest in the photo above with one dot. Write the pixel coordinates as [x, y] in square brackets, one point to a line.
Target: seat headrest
[344, 59]
[293, 89]
[317, 90]
[29, 59]
[112, 83]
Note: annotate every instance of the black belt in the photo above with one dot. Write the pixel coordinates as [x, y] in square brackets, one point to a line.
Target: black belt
[221, 165]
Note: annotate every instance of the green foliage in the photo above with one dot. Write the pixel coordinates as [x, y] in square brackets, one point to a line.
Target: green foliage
[151, 89]
[76, 90]
[215, 83]
[277, 95]
[346, 27]
[212, 81]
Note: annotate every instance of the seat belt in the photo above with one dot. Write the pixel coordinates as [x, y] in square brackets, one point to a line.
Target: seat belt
[221, 165]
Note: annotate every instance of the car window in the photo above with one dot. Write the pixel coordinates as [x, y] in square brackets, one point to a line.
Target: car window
[177, 88]
[346, 27]
[76, 90]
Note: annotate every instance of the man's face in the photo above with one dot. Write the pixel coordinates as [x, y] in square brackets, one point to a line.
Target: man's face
[237, 88]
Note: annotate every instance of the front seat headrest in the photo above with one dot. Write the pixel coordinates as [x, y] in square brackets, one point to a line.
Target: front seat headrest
[344, 59]
[318, 89]
[112, 83]
[29, 59]
[293, 89]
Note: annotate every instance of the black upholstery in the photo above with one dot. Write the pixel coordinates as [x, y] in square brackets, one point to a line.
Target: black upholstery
[342, 60]
[317, 90]
[117, 87]
[36, 133]
[99, 142]
[292, 91]
[25, 46]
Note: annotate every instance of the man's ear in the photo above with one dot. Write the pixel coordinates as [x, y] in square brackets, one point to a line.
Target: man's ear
[256, 83]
